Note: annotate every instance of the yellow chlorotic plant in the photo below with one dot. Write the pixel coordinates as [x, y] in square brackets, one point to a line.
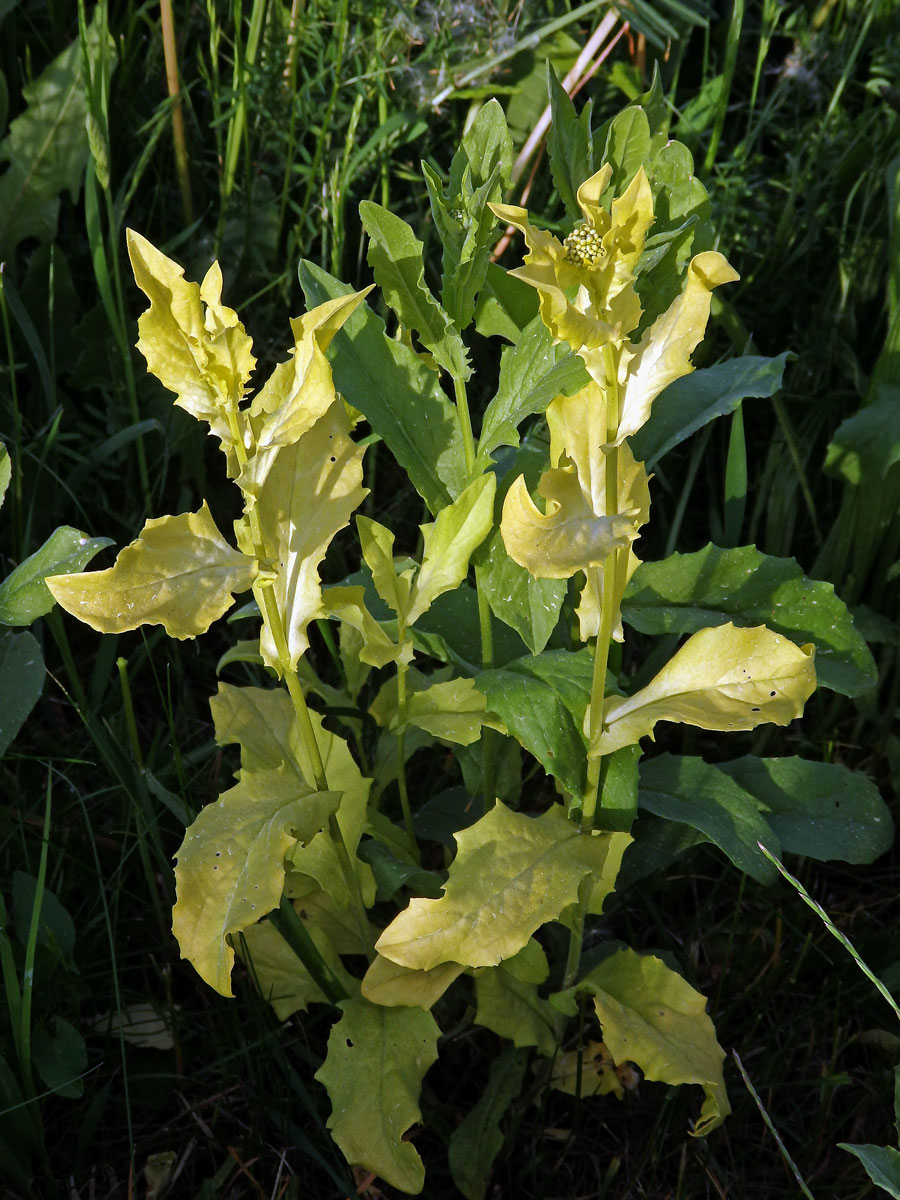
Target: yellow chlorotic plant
[323, 871]
[597, 496]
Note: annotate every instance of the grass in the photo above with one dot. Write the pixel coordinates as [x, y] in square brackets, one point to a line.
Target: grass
[292, 115]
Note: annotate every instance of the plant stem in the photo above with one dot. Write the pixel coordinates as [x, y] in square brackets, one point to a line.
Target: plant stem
[401, 753]
[465, 425]
[608, 590]
[488, 740]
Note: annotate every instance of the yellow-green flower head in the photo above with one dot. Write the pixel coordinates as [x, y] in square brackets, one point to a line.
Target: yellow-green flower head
[586, 281]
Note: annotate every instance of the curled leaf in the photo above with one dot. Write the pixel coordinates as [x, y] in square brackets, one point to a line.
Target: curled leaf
[569, 537]
[722, 678]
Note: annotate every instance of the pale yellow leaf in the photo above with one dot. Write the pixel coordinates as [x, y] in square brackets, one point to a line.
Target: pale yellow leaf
[309, 493]
[179, 573]
[230, 867]
[722, 678]
[664, 352]
[511, 874]
[569, 537]
[389, 984]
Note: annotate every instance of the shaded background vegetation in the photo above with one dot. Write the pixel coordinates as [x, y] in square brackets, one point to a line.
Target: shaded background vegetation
[291, 116]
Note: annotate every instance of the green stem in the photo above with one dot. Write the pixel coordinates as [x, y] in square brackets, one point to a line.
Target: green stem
[608, 599]
[295, 933]
[465, 425]
[401, 754]
[598, 690]
[573, 958]
[131, 724]
[489, 739]
[24, 1039]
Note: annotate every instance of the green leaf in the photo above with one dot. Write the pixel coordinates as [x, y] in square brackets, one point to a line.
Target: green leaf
[486, 146]
[395, 256]
[230, 867]
[392, 873]
[5, 471]
[479, 171]
[569, 143]
[687, 592]
[179, 573]
[450, 631]
[505, 305]
[627, 146]
[23, 594]
[532, 373]
[542, 701]
[867, 445]
[691, 401]
[722, 678]
[820, 810]
[56, 929]
[398, 395]
[347, 604]
[692, 792]
[655, 1019]
[512, 1008]
[21, 682]
[478, 1139]
[528, 605]
[448, 543]
[882, 1164]
[619, 789]
[512, 873]
[377, 1058]
[60, 1058]
[47, 144]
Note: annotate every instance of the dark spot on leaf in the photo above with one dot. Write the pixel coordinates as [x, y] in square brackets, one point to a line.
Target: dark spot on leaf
[350, 1043]
[773, 693]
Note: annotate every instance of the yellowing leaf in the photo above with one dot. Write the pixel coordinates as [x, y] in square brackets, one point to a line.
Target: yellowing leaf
[377, 1058]
[453, 710]
[598, 1072]
[449, 542]
[230, 866]
[180, 573]
[298, 392]
[308, 494]
[389, 984]
[377, 544]
[193, 344]
[263, 721]
[349, 606]
[512, 1008]
[511, 874]
[655, 1019]
[721, 678]
[570, 537]
[664, 352]
[279, 974]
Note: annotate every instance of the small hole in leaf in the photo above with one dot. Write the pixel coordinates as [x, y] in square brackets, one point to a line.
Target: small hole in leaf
[349, 1043]
[773, 693]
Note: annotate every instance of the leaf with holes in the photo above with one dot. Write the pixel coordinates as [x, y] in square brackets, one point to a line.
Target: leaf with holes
[377, 1058]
